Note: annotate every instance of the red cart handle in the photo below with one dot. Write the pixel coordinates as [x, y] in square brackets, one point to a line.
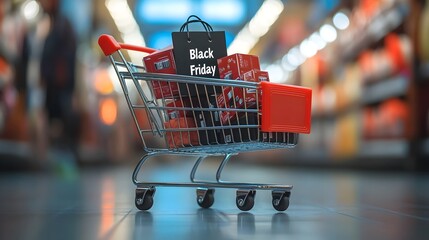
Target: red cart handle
[109, 45]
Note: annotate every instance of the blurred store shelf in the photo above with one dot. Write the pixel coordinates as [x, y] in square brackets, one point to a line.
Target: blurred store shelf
[396, 148]
[424, 147]
[15, 154]
[424, 71]
[368, 105]
[377, 27]
[17, 149]
[385, 89]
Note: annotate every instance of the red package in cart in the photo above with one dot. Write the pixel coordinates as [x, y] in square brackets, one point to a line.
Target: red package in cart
[241, 132]
[232, 97]
[184, 137]
[255, 75]
[233, 66]
[174, 105]
[250, 94]
[239, 96]
[162, 62]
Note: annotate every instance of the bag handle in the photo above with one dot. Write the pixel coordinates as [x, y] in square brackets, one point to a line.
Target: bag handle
[206, 26]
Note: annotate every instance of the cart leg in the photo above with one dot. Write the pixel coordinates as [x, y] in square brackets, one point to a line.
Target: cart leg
[221, 166]
[195, 167]
[280, 199]
[205, 197]
[245, 199]
[139, 166]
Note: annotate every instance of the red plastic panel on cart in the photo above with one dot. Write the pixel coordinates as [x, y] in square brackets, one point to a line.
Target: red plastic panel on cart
[285, 108]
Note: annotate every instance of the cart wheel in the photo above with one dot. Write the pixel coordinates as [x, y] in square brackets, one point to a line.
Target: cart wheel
[144, 198]
[205, 197]
[280, 200]
[245, 199]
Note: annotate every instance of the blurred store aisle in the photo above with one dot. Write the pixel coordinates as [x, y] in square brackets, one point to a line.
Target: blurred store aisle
[97, 203]
[366, 61]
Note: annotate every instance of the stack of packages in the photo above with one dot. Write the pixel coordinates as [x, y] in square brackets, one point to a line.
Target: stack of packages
[198, 114]
[246, 68]
[241, 67]
[163, 62]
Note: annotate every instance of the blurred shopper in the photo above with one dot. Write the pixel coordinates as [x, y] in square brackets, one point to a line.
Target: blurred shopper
[13, 124]
[5, 68]
[57, 72]
[33, 48]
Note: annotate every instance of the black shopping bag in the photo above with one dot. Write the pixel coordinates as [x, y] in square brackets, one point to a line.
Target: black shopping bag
[196, 54]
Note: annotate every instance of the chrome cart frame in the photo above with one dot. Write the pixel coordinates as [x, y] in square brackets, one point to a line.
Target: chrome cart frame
[180, 126]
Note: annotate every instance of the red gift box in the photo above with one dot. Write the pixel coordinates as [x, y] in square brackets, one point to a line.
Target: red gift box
[184, 137]
[237, 98]
[232, 97]
[184, 102]
[254, 76]
[233, 66]
[162, 62]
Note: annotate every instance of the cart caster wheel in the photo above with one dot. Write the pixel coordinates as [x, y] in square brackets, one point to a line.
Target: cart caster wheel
[205, 197]
[144, 198]
[245, 199]
[280, 200]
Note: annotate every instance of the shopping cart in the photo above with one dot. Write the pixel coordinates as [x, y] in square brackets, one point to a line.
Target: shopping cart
[191, 127]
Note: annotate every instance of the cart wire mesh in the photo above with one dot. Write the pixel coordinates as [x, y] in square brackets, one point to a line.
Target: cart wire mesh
[201, 124]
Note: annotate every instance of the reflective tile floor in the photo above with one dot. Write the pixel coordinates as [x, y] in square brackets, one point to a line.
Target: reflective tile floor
[98, 203]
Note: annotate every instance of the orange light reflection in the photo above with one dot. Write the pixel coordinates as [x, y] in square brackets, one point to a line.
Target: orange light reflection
[107, 207]
[108, 111]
